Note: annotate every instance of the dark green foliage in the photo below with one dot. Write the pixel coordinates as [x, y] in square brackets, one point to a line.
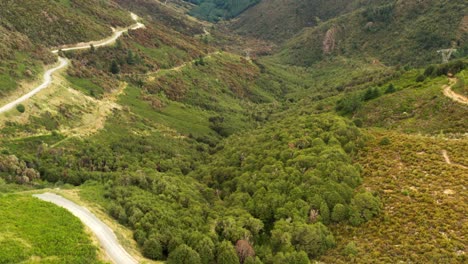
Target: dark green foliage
[390, 89]
[215, 10]
[252, 260]
[227, 253]
[131, 60]
[453, 67]
[349, 103]
[299, 257]
[203, 245]
[21, 108]
[183, 254]
[313, 239]
[420, 78]
[364, 207]
[382, 13]
[114, 68]
[325, 213]
[371, 93]
[339, 213]
[152, 249]
[200, 61]
[429, 40]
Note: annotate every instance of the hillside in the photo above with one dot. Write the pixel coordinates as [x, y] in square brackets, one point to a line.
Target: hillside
[215, 10]
[36, 231]
[341, 145]
[26, 40]
[279, 20]
[397, 33]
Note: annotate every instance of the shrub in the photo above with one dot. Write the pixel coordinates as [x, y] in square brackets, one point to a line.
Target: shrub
[152, 249]
[420, 78]
[20, 108]
[390, 89]
[339, 213]
[350, 249]
[183, 254]
[385, 141]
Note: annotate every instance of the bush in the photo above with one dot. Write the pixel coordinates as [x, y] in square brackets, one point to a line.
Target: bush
[420, 78]
[350, 249]
[152, 249]
[390, 89]
[183, 254]
[20, 108]
[385, 141]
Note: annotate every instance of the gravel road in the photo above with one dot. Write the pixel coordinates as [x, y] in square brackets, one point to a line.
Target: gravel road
[106, 237]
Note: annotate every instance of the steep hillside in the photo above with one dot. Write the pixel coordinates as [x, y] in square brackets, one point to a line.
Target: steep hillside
[28, 31]
[215, 10]
[397, 33]
[279, 20]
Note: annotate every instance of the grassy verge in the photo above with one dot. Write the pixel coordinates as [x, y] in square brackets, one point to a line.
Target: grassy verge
[39, 232]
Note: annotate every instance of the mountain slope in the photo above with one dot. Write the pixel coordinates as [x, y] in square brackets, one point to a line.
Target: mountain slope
[279, 20]
[398, 33]
[29, 31]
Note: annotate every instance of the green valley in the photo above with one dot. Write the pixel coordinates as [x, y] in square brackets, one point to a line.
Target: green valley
[243, 132]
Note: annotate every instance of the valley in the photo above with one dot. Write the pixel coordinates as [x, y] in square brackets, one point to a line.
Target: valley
[233, 132]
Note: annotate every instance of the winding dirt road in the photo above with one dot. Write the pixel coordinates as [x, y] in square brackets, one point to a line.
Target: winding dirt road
[117, 33]
[105, 235]
[447, 89]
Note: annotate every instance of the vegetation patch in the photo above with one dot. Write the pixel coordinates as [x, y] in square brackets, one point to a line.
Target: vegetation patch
[39, 231]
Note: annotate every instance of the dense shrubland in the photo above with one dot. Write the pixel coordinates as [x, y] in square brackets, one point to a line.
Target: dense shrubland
[268, 194]
[278, 191]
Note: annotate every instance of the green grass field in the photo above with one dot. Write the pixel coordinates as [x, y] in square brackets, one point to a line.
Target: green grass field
[33, 231]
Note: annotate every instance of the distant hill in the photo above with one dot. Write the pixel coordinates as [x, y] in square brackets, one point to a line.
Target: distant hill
[396, 33]
[215, 10]
[279, 20]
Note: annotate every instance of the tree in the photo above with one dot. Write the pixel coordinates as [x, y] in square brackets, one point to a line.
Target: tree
[349, 104]
[364, 206]
[92, 48]
[390, 89]
[339, 213]
[115, 68]
[203, 245]
[152, 249]
[227, 254]
[314, 239]
[183, 254]
[420, 78]
[130, 58]
[371, 93]
[252, 260]
[325, 213]
[244, 250]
